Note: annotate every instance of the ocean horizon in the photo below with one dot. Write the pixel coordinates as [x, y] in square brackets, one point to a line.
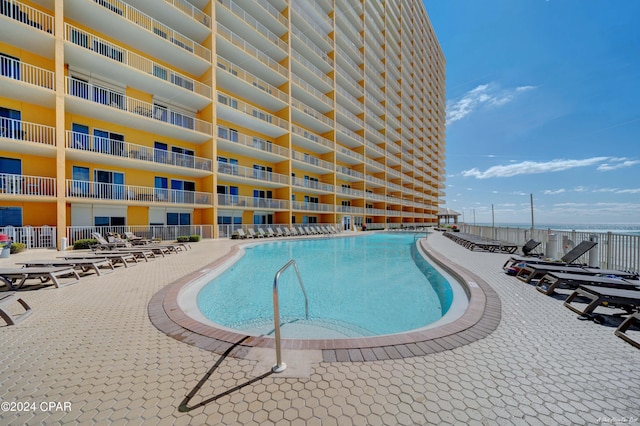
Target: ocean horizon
[620, 228]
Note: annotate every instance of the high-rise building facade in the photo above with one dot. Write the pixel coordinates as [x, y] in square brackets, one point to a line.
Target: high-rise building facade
[213, 114]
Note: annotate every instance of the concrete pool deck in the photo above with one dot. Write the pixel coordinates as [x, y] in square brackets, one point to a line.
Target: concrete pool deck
[93, 346]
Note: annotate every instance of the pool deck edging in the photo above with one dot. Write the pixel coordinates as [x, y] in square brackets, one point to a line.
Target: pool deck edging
[481, 317]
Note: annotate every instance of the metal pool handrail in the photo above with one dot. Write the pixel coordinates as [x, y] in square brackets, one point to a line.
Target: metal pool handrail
[280, 366]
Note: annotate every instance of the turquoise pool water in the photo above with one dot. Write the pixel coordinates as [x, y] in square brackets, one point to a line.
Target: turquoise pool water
[368, 285]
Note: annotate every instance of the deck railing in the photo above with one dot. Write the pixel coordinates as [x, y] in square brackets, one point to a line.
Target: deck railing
[31, 236]
[27, 73]
[163, 232]
[147, 194]
[13, 184]
[85, 142]
[26, 131]
[228, 200]
[614, 250]
[27, 15]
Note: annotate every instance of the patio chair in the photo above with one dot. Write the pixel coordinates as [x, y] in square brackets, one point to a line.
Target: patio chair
[83, 265]
[529, 247]
[274, 234]
[136, 240]
[6, 300]
[253, 234]
[240, 234]
[535, 271]
[555, 280]
[628, 300]
[621, 331]
[103, 244]
[567, 259]
[280, 232]
[11, 276]
[294, 232]
[285, 231]
[261, 233]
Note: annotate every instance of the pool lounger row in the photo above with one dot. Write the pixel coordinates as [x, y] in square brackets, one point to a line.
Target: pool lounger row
[472, 242]
[15, 278]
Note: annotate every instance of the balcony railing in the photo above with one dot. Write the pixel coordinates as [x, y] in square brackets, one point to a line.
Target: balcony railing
[310, 159]
[306, 183]
[117, 100]
[251, 110]
[148, 23]
[90, 143]
[311, 136]
[25, 131]
[312, 112]
[140, 63]
[18, 70]
[226, 200]
[240, 43]
[253, 142]
[318, 207]
[27, 15]
[190, 10]
[11, 184]
[250, 173]
[253, 23]
[249, 78]
[126, 193]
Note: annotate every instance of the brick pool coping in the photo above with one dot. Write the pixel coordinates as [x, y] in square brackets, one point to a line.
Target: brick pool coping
[480, 319]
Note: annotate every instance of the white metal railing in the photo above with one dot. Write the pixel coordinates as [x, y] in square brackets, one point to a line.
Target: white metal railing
[311, 112]
[253, 23]
[162, 232]
[349, 152]
[236, 71]
[251, 142]
[31, 236]
[614, 250]
[117, 53]
[26, 131]
[190, 10]
[11, 184]
[350, 172]
[250, 110]
[307, 183]
[311, 136]
[310, 159]
[227, 200]
[311, 45]
[349, 191]
[27, 15]
[143, 20]
[311, 22]
[118, 100]
[317, 207]
[251, 173]
[273, 12]
[309, 88]
[311, 67]
[345, 130]
[248, 48]
[30, 74]
[118, 192]
[91, 143]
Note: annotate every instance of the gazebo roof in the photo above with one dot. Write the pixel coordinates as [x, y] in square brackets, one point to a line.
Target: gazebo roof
[448, 212]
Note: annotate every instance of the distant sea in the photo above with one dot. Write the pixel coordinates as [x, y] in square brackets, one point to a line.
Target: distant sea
[632, 229]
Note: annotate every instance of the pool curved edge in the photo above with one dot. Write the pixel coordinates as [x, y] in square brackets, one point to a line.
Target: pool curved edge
[481, 317]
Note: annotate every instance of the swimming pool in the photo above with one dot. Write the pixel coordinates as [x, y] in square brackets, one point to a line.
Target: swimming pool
[368, 285]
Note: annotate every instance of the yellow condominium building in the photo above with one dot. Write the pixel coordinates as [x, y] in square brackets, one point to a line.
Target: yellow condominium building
[181, 117]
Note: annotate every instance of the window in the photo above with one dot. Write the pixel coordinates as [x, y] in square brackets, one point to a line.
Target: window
[10, 123]
[9, 66]
[159, 72]
[182, 191]
[262, 172]
[107, 50]
[262, 197]
[10, 216]
[160, 154]
[161, 188]
[183, 156]
[227, 101]
[108, 143]
[178, 218]
[108, 221]
[109, 185]
[80, 136]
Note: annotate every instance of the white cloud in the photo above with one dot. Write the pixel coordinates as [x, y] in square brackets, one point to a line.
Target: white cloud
[532, 167]
[628, 191]
[484, 94]
[554, 192]
[621, 163]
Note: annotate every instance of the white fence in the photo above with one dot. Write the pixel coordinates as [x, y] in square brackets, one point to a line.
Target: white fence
[31, 236]
[614, 250]
[166, 232]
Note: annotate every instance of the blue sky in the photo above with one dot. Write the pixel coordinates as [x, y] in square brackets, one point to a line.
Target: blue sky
[543, 98]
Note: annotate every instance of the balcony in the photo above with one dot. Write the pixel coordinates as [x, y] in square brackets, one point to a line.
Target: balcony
[226, 200]
[140, 31]
[312, 185]
[87, 51]
[28, 188]
[310, 118]
[28, 83]
[303, 138]
[17, 23]
[126, 194]
[309, 72]
[311, 163]
[260, 148]
[236, 49]
[27, 138]
[178, 14]
[234, 173]
[244, 84]
[303, 44]
[108, 105]
[316, 207]
[308, 94]
[119, 153]
[349, 175]
[246, 115]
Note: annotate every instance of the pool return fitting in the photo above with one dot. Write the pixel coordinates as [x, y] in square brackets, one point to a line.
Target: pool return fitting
[281, 366]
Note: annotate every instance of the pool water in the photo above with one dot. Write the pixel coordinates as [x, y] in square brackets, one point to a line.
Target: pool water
[374, 284]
